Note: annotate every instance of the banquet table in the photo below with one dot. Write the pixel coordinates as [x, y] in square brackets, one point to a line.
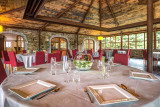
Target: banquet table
[27, 59]
[73, 95]
[156, 55]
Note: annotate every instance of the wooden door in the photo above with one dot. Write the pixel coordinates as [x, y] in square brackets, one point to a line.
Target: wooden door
[59, 43]
[1, 46]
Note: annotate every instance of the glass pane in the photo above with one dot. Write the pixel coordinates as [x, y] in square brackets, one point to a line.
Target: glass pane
[107, 39]
[112, 45]
[118, 38]
[104, 39]
[140, 45]
[158, 39]
[108, 46]
[125, 45]
[132, 45]
[113, 39]
[118, 45]
[103, 46]
[132, 37]
[140, 37]
[125, 38]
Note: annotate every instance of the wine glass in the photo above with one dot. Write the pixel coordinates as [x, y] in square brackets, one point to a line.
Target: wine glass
[110, 61]
[67, 68]
[53, 60]
[76, 77]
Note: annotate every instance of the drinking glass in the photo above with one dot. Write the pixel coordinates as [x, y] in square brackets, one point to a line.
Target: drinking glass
[76, 77]
[100, 64]
[53, 60]
[110, 61]
[67, 68]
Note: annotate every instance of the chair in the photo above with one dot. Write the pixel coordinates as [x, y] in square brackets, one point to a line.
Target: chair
[100, 55]
[114, 52]
[128, 53]
[74, 52]
[14, 62]
[90, 52]
[121, 58]
[6, 59]
[50, 55]
[2, 73]
[24, 51]
[69, 54]
[145, 57]
[40, 58]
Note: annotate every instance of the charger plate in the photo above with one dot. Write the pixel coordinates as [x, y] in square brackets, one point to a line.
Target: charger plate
[110, 94]
[27, 70]
[142, 75]
[31, 89]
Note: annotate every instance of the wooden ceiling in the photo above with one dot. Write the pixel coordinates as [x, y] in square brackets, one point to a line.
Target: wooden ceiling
[114, 13]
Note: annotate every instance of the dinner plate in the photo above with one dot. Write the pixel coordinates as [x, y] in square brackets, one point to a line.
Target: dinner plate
[110, 94]
[142, 75]
[26, 70]
[31, 89]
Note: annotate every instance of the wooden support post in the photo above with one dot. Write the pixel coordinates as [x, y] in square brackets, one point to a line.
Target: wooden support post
[77, 41]
[100, 44]
[155, 39]
[149, 36]
[39, 38]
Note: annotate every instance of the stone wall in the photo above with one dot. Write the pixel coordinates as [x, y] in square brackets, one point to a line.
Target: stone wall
[32, 38]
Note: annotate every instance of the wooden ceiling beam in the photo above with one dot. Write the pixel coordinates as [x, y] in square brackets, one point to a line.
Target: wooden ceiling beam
[60, 14]
[100, 13]
[112, 13]
[85, 15]
[44, 30]
[14, 10]
[66, 22]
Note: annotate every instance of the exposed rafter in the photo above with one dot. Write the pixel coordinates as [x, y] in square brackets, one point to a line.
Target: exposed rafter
[60, 14]
[112, 13]
[85, 15]
[14, 10]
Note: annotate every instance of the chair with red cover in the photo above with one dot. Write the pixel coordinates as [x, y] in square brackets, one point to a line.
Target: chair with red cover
[114, 52]
[24, 51]
[6, 59]
[40, 58]
[2, 73]
[74, 52]
[128, 53]
[90, 52]
[145, 57]
[69, 54]
[100, 55]
[13, 61]
[50, 55]
[121, 59]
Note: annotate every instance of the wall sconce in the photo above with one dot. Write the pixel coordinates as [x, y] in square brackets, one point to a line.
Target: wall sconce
[100, 38]
[1, 28]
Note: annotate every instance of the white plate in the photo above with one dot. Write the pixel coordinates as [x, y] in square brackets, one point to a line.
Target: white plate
[142, 75]
[27, 70]
[30, 89]
[110, 94]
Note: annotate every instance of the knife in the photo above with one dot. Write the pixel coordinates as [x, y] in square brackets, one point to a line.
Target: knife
[130, 91]
[47, 93]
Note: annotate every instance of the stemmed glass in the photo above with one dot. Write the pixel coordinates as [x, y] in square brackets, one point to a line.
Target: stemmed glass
[67, 68]
[110, 61]
[101, 67]
[76, 77]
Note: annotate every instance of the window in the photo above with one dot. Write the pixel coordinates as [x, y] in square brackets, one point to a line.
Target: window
[8, 44]
[113, 42]
[118, 42]
[132, 41]
[140, 41]
[158, 40]
[88, 44]
[125, 42]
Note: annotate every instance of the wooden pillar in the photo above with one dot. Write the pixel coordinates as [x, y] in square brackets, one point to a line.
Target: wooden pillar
[77, 41]
[39, 39]
[100, 44]
[149, 36]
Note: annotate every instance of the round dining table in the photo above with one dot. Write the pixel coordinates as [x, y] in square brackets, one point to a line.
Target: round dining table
[72, 94]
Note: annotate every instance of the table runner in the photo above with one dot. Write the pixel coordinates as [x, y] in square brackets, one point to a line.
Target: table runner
[72, 95]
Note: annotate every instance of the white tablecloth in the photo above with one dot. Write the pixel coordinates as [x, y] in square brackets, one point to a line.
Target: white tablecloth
[121, 52]
[73, 95]
[27, 59]
[156, 55]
